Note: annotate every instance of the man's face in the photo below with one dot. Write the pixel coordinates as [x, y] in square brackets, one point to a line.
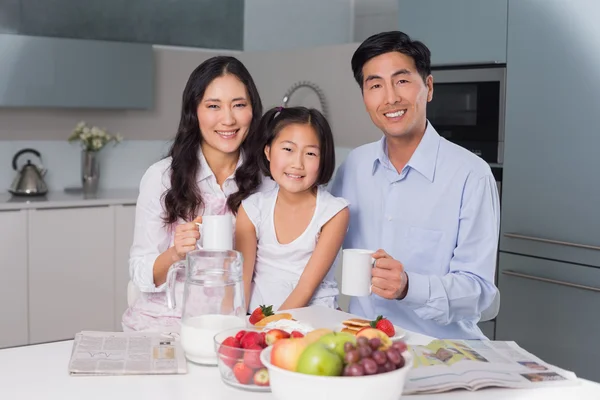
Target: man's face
[395, 95]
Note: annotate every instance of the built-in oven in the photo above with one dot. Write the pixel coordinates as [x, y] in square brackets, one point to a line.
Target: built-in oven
[468, 108]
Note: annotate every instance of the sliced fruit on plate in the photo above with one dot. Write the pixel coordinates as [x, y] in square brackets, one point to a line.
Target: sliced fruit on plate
[384, 325]
[260, 313]
[272, 318]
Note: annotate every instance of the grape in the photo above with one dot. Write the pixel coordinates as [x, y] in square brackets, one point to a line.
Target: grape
[400, 346]
[379, 357]
[348, 347]
[346, 371]
[402, 361]
[381, 369]
[393, 355]
[355, 370]
[389, 366]
[375, 343]
[353, 356]
[365, 351]
[369, 365]
[362, 341]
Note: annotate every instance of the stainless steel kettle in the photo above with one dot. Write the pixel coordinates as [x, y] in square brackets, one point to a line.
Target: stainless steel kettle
[30, 179]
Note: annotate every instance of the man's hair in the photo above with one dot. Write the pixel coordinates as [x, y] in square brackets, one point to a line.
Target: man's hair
[386, 42]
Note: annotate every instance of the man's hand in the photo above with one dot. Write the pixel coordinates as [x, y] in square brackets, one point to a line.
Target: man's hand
[389, 279]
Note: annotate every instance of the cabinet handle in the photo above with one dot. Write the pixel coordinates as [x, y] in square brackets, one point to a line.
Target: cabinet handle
[551, 241]
[537, 278]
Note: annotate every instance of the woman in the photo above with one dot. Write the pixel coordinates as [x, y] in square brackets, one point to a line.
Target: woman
[221, 109]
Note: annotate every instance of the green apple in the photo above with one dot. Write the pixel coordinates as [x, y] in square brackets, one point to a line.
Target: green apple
[335, 341]
[317, 359]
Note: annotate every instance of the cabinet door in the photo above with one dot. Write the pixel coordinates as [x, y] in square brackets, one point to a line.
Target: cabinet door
[550, 309]
[71, 272]
[124, 224]
[13, 269]
[551, 190]
[457, 31]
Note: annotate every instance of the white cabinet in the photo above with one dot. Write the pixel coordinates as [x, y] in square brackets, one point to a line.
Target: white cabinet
[124, 225]
[457, 31]
[13, 270]
[71, 272]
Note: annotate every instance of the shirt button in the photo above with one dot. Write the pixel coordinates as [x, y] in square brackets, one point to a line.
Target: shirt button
[389, 218]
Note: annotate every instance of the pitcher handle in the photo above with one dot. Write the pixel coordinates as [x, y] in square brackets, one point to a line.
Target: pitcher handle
[171, 279]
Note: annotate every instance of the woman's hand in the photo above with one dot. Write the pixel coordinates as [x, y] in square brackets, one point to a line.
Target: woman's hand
[186, 237]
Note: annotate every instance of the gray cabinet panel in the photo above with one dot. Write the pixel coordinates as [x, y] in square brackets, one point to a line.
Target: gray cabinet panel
[551, 188]
[10, 16]
[50, 72]
[197, 23]
[457, 31]
[550, 309]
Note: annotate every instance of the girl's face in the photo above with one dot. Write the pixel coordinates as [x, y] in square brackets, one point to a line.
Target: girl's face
[224, 114]
[295, 157]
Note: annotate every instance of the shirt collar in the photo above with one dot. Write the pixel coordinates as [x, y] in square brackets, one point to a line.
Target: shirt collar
[423, 160]
[205, 170]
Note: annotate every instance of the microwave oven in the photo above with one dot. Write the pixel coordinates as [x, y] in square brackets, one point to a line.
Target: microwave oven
[468, 108]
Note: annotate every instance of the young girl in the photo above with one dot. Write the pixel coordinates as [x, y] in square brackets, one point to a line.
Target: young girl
[290, 235]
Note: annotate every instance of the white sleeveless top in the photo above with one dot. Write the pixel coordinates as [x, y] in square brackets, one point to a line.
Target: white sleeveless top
[278, 266]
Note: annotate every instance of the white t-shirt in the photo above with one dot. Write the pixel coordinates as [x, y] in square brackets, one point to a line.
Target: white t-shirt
[279, 266]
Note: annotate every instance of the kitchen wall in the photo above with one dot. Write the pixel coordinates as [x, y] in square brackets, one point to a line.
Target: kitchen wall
[147, 133]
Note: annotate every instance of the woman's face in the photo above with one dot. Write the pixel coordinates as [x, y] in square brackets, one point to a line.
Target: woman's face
[225, 114]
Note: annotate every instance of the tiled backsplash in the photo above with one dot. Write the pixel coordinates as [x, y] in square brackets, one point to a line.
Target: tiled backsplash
[121, 167]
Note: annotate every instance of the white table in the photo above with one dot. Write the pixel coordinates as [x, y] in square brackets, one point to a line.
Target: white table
[40, 372]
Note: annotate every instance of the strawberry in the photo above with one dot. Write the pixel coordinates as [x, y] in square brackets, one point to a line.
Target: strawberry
[296, 334]
[252, 357]
[261, 377]
[259, 313]
[230, 351]
[251, 338]
[263, 339]
[384, 325]
[243, 373]
[240, 335]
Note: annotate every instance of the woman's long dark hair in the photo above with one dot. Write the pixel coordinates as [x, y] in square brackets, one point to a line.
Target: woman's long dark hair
[271, 124]
[183, 199]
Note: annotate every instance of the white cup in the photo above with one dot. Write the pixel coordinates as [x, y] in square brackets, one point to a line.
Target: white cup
[216, 232]
[356, 271]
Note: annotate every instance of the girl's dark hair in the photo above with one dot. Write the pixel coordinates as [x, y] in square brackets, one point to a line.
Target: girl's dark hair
[183, 199]
[271, 124]
[387, 42]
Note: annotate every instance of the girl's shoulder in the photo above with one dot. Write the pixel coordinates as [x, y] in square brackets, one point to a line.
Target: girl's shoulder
[259, 200]
[328, 199]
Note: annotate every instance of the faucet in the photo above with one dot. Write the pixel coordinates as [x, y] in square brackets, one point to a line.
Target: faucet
[310, 85]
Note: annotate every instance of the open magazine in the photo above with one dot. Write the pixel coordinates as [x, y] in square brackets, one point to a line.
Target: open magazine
[445, 365]
[120, 353]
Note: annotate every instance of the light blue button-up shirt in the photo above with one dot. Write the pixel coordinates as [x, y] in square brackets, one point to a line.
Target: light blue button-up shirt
[440, 217]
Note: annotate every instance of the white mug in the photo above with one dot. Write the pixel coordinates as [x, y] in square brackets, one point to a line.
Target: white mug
[357, 265]
[216, 232]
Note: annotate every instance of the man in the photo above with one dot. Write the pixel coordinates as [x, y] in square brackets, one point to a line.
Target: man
[430, 207]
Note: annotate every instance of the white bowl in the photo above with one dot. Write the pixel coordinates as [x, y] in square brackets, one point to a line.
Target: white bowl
[290, 385]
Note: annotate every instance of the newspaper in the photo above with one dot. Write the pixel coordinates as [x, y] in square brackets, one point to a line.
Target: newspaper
[120, 353]
[445, 365]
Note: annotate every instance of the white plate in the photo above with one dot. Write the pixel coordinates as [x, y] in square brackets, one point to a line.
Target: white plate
[400, 333]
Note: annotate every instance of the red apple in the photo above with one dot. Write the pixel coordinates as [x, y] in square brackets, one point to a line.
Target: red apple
[274, 335]
[286, 352]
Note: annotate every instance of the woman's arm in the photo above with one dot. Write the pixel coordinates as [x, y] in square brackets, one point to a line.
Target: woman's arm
[245, 243]
[330, 241]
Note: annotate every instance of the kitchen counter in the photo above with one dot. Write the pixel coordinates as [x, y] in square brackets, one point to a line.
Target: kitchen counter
[40, 371]
[67, 199]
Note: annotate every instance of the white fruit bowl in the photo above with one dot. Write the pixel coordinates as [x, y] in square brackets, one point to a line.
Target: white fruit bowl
[289, 385]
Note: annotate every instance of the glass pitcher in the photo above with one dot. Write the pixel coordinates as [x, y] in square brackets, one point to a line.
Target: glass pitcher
[213, 300]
